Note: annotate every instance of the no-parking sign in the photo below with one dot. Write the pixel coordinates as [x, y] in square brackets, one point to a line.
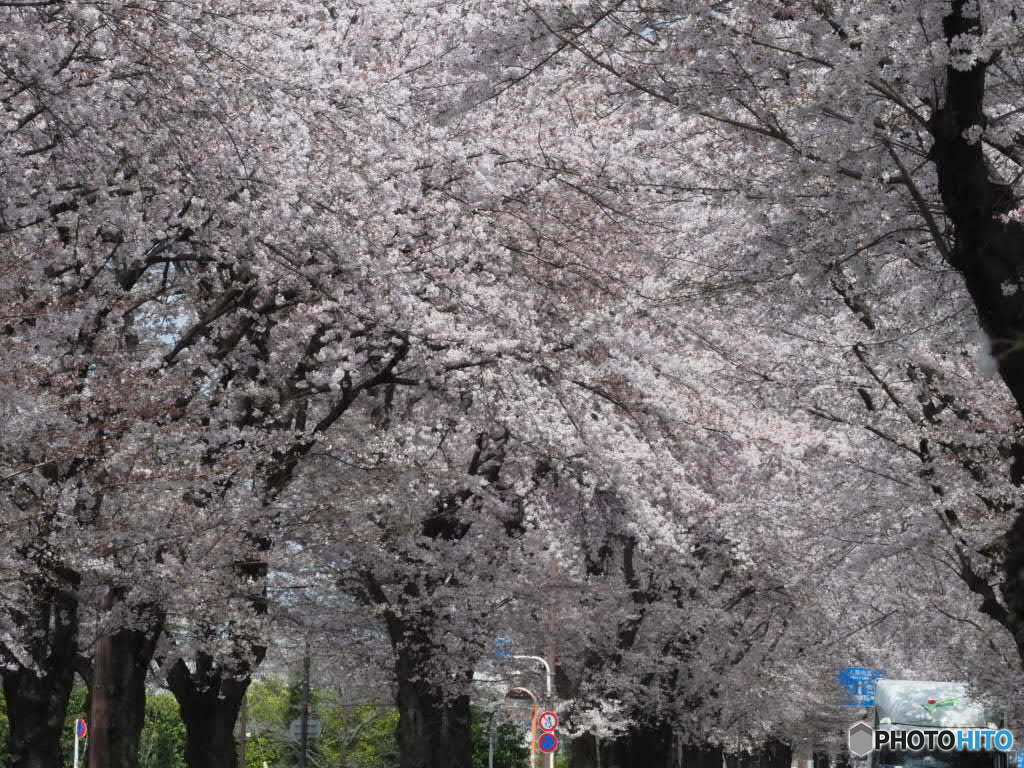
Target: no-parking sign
[547, 742]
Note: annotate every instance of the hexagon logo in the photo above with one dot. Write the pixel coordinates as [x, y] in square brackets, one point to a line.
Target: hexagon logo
[860, 739]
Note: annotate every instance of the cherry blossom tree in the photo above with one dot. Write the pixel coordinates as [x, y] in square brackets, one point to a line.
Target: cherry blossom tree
[412, 289]
[814, 128]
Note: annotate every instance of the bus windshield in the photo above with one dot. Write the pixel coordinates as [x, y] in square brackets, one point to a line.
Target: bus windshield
[936, 759]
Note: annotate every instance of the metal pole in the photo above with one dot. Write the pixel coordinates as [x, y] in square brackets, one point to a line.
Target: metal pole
[547, 671]
[76, 743]
[304, 741]
[551, 640]
[490, 743]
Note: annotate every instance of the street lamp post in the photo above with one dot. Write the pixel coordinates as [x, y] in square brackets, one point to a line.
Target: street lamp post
[547, 672]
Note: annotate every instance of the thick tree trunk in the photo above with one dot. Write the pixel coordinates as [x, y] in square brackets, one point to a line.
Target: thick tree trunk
[210, 695]
[37, 698]
[433, 730]
[210, 701]
[652, 746]
[779, 754]
[118, 706]
[434, 725]
[36, 706]
[702, 756]
[989, 253]
[586, 752]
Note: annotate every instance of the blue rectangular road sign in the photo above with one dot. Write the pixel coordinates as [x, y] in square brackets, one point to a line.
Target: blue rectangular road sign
[859, 683]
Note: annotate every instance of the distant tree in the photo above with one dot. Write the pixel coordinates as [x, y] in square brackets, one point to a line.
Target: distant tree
[511, 749]
[163, 736]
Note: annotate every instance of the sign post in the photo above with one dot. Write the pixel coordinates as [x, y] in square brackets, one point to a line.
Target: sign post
[81, 731]
[548, 741]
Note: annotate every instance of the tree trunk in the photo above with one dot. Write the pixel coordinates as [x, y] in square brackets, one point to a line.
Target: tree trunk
[433, 730]
[989, 253]
[772, 754]
[119, 690]
[585, 752]
[210, 701]
[37, 698]
[211, 697]
[650, 746]
[778, 754]
[702, 756]
[35, 711]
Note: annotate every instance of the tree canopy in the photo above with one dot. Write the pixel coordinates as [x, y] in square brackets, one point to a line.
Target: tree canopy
[679, 343]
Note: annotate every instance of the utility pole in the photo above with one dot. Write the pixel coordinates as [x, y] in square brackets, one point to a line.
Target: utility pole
[551, 622]
[491, 733]
[304, 740]
[552, 583]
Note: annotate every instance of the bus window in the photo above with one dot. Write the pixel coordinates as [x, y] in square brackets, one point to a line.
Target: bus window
[936, 759]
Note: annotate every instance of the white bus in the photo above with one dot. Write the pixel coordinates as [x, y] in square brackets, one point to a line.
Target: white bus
[905, 705]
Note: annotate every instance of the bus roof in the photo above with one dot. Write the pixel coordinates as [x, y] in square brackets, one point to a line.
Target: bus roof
[929, 704]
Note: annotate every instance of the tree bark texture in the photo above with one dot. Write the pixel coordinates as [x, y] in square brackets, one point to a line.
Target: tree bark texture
[585, 752]
[433, 729]
[649, 746]
[37, 698]
[118, 706]
[210, 700]
[987, 251]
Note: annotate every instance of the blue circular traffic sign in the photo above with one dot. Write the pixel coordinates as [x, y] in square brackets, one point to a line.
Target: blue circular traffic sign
[547, 742]
[81, 729]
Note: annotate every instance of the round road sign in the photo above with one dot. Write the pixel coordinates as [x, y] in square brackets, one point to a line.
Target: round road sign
[547, 721]
[547, 742]
[81, 729]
